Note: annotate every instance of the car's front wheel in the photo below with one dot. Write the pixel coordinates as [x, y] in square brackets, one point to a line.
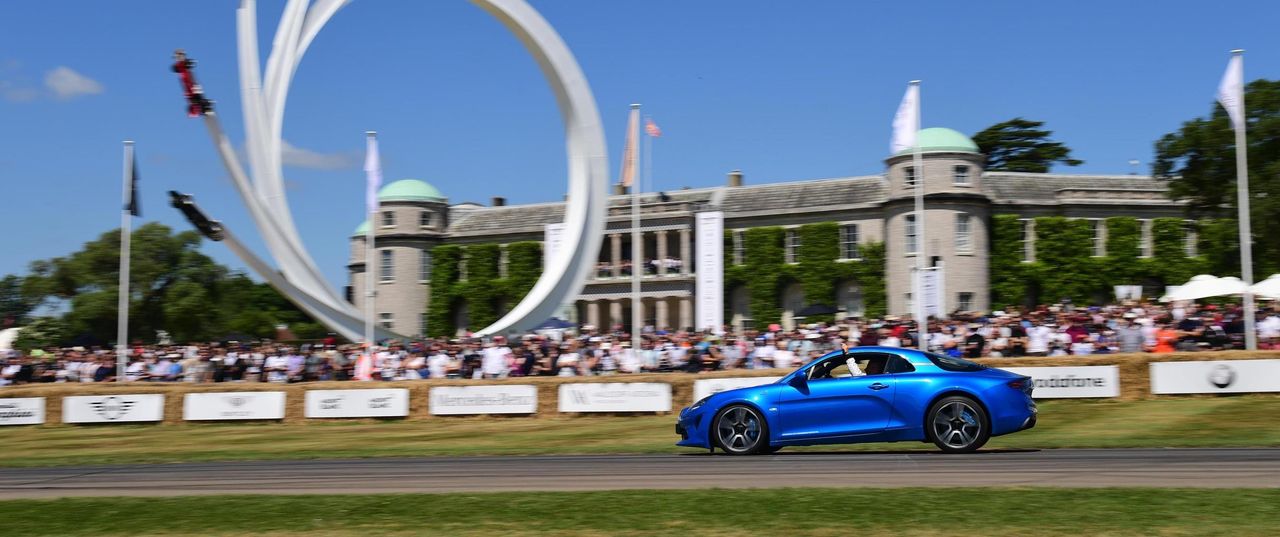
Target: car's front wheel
[957, 424]
[741, 430]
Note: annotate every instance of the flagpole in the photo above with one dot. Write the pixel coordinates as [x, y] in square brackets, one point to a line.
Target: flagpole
[917, 164]
[1246, 235]
[122, 304]
[637, 248]
[370, 263]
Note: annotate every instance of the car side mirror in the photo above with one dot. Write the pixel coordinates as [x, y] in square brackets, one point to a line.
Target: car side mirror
[799, 382]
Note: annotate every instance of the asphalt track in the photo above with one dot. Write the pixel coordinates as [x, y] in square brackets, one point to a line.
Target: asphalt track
[1253, 468]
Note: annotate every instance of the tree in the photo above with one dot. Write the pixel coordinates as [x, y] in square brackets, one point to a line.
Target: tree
[1199, 161]
[14, 305]
[1020, 145]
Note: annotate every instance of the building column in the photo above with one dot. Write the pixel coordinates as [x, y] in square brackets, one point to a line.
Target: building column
[686, 312]
[662, 315]
[615, 243]
[615, 312]
[662, 252]
[593, 313]
[637, 313]
[686, 247]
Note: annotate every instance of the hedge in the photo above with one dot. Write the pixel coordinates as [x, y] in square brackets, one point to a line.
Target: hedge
[484, 291]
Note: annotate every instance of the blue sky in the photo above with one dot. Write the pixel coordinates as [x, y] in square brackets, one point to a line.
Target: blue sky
[781, 90]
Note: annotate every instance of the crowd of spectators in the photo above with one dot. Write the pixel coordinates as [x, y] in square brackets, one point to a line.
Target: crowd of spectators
[672, 265]
[1046, 331]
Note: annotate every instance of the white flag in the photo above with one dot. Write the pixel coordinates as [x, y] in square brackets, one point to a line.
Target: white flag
[906, 121]
[373, 174]
[1231, 91]
[630, 162]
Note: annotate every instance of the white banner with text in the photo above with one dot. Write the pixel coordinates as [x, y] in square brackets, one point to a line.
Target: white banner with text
[22, 411]
[464, 400]
[615, 397]
[1216, 376]
[705, 387]
[380, 403]
[233, 406]
[112, 408]
[1072, 382]
[710, 271]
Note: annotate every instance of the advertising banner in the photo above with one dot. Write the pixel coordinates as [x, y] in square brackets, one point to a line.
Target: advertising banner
[705, 387]
[113, 408]
[1072, 382]
[233, 406]
[552, 243]
[387, 403]
[709, 291]
[463, 400]
[22, 411]
[1216, 376]
[615, 397]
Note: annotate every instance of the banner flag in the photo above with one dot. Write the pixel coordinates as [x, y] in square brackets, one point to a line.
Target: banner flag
[1231, 91]
[905, 121]
[630, 164]
[373, 174]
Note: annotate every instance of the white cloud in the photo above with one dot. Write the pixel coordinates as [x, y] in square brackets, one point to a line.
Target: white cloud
[18, 93]
[305, 158]
[66, 84]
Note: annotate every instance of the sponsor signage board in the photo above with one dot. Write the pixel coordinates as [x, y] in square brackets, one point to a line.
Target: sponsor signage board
[22, 411]
[380, 403]
[615, 397]
[124, 408]
[710, 270]
[1072, 382]
[233, 406]
[464, 400]
[1215, 376]
[705, 387]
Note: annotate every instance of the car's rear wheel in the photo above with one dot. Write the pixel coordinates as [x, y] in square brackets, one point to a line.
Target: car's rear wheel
[740, 430]
[957, 424]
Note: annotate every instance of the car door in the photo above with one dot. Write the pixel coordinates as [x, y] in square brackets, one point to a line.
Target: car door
[835, 407]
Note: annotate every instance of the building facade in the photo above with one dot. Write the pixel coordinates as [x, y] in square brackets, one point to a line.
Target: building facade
[960, 201]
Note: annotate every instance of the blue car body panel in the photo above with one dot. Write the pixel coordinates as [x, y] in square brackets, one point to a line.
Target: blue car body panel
[887, 407]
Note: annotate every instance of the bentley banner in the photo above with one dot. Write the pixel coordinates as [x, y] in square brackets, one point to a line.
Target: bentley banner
[1072, 382]
[22, 411]
[233, 406]
[386, 403]
[465, 400]
[615, 397]
[1217, 376]
[113, 408]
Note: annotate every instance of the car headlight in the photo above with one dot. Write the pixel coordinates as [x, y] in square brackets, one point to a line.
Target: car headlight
[699, 404]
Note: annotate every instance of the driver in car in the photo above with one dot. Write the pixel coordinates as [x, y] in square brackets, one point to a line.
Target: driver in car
[850, 361]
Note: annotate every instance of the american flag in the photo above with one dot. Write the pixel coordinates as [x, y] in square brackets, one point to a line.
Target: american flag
[651, 128]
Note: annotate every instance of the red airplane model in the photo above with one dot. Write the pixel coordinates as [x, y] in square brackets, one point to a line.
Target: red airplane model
[197, 104]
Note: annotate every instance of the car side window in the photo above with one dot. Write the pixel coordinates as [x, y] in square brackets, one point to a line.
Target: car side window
[898, 364]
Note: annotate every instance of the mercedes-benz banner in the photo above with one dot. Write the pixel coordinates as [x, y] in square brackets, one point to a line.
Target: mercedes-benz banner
[615, 397]
[465, 400]
[705, 387]
[1216, 376]
[1072, 382]
[22, 411]
[379, 403]
[233, 406]
[124, 408]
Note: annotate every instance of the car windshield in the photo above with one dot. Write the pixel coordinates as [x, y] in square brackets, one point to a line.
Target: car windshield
[953, 364]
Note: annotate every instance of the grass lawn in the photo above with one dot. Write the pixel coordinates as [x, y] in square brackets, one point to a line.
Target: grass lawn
[1170, 422]
[791, 512]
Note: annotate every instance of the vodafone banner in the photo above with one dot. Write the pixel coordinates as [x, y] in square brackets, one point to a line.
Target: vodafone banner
[615, 397]
[386, 403]
[233, 406]
[113, 408]
[1072, 382]
[464, 400]
[705, 387]
[1216, 376]
[22, 411]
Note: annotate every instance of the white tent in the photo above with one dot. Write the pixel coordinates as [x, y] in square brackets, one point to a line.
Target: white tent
[1268, 288]
[1207, 285]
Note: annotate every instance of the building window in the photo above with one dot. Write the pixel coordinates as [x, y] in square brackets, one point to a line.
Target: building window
[964, 237]
[792, 247]
[1144, 243]
[424, 219]
[910, 231]
[1192, 236]
[502, 261]
[965, 302]
[849, 241]
[386, 319]
[737, 247]
[1098, 230]
[1028, 240]
[424, 270]
[385, 268]
[960, 175]
[388, 219]
[462, 268]
[909, 179]
[911, 304]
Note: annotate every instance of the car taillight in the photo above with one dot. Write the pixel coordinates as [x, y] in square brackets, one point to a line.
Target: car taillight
[1019, 384]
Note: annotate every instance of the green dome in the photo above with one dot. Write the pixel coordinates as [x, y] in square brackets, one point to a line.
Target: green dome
[940, 139]
[361, 229]
[410, 190]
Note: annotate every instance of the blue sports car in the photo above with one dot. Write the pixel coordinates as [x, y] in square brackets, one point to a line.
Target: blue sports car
[865, 394]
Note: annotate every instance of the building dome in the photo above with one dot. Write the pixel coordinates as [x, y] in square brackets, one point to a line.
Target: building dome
[410, 190]
[943, 140]
[361, 229]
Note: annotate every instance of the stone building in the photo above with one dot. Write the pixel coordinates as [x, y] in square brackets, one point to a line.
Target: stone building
[960, 200]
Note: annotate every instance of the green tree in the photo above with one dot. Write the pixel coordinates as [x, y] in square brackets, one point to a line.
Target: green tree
[1020, 145]
[1199, 161]
[15, 306]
